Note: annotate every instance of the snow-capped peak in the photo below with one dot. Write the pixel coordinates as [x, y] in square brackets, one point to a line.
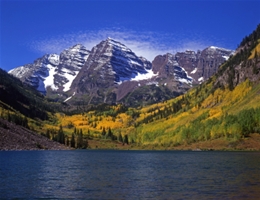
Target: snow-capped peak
[226, 53]
[219, 49]
[52, 70]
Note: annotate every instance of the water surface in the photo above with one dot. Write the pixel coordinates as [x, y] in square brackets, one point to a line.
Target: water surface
[100, 174]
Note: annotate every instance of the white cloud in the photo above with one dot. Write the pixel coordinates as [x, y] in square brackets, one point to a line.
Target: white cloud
[146, 44]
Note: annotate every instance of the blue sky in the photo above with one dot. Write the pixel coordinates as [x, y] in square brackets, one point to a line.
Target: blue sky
[30, 29]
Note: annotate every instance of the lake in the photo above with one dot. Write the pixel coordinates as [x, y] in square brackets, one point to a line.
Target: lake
[104, 174]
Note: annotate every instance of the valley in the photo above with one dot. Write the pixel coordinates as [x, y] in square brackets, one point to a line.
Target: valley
[172, 109]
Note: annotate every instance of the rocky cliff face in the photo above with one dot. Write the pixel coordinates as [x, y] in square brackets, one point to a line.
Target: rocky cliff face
[110, 63]
[171, 74]
[203, 64]
[181, 71]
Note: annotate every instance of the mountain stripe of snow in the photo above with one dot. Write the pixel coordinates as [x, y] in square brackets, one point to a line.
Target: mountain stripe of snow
[194, 71]
[226, 57]
[183, 80]
[70, 78]
[220, 49]
[49, 80]
[189, 77]
[201, 79]
[134, 63]
[69, 97]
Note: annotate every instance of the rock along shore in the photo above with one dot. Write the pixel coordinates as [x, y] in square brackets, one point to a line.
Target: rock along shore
[14, 137]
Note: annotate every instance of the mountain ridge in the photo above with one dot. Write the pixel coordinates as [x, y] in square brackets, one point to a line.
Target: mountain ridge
[78, 75]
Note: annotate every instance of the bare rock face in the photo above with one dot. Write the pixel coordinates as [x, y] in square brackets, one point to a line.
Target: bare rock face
[203, 64]
[171, 74]
[110, 63]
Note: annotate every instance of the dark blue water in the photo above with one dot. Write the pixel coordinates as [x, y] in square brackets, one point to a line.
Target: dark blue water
[129, 175]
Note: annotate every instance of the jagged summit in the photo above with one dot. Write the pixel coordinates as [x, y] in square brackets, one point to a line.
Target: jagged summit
[53, 72]
[117, 44]
[203, 64]
[110, 63]
[218, 48]
[111, 70]
[118, 60]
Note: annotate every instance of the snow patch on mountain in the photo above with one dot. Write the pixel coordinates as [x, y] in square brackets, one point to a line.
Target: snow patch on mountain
[150, 74]
[69, 97]
[70, 77]
[194, 71]
[19, 72]
[181, 75]
[218, 48]
[201, 79]
[226, 57]
[49, 79]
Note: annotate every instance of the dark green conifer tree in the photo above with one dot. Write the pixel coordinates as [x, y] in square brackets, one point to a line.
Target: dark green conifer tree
[60, 137]
[126, 139]
[80, 139]
[103, 132]
[88, 134]
[48, 133]
[72, 142]
[120, 138]
[109, 133]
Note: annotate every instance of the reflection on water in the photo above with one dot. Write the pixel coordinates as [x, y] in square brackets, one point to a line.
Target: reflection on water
[130, 175]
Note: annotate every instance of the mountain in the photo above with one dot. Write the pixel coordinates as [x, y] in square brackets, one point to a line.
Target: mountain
[221, 113]
[175, 75]
[52, 72]
[203, 64]
[109, 64]
[111, 73]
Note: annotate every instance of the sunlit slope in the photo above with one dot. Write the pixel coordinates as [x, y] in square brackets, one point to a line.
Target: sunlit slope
[210, 120]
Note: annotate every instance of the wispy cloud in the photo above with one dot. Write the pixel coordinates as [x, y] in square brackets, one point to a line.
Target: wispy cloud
[146, 44]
